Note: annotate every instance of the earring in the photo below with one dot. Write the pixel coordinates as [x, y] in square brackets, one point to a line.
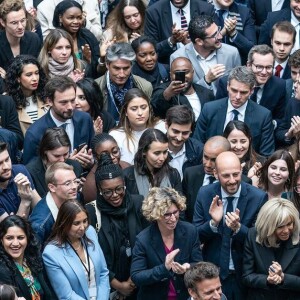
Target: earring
[60, 24]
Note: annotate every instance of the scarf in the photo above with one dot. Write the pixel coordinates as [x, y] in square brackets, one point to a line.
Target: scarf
[56, 69]
[119, 93]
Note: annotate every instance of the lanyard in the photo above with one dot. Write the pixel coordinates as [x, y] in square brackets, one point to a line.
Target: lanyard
[88, 269]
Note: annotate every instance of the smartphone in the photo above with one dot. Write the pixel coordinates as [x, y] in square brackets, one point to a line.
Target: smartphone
[180, 76]
[80, 146]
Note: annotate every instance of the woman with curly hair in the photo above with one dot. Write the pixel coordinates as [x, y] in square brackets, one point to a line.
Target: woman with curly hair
[126, 22]
[151, 165]
[164, 250]
[25, 82]
[20, 260]
[135, 117]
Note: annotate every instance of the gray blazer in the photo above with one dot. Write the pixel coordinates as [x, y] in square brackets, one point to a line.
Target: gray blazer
[227, 55]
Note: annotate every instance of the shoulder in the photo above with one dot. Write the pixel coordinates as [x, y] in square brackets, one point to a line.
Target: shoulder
[20, 169]
[279, 14]
[128, 172]
[252, 190]
[228, 50]
[258, 109]
[191, 171]
[158, 6]
[142, 81]
[216, 103]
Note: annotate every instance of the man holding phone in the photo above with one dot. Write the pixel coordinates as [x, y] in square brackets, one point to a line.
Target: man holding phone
[181, 90]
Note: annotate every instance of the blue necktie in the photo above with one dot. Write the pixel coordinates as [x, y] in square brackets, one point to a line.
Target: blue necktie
[225, 248]
[220, 13]
[64, 126]
[235, 115]
[253, 97]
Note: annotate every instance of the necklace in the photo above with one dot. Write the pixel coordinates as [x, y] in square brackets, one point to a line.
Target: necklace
[76, 249]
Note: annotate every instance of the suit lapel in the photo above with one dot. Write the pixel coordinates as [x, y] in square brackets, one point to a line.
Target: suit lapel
[76, 265]
[157, 243]
[190, 52]
[288, 254]
[243, 200]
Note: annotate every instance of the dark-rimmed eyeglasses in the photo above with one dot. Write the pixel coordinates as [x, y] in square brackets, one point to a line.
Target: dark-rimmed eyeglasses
[168, 216]
[118, 190]
[260, 68]
[215, 35]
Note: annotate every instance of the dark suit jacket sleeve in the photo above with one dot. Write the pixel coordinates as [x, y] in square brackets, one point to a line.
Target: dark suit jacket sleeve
[250, 278]
[140, 274]
[265, 30]
[159, 104]
[267, 145]
[201, 126]
[175, 180]
[30, 146]
[222, 88]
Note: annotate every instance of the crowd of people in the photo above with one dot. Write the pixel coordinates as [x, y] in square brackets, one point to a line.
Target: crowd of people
[149, 149]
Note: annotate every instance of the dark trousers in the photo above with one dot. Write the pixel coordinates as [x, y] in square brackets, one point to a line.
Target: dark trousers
[233, 288]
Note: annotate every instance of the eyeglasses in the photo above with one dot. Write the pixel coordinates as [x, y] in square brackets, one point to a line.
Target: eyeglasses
[69, 183]
[118, 190]
[297, 189]
[168, 216]
[115, 152]
[260, 68]
[215, 35]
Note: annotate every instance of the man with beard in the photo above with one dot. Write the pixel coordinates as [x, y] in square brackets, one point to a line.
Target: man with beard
[210, 58]
[17, 192]
[14, 39]
[62, 185]
[184, 151]
[223, 213]
[176, 92]
[60, 92]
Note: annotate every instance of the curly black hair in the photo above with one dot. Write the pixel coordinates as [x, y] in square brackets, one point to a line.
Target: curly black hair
[12, 83]
[32, 252]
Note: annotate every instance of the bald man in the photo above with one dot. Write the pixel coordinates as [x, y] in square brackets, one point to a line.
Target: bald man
[177, 92]
[201, 175]
[223, 213]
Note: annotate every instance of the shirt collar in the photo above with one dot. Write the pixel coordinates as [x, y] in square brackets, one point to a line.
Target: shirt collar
[241, 109]
[182, 151]
[282, 64]
[57, 122]
[174, 9]
[51, 205]
[236, 195]
[209, 57]
[294, 20]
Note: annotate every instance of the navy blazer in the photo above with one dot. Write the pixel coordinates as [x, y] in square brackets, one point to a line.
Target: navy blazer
[160, 105]
[246, 36]
[67, 275]
[272, 18]
[274, 99]
[158, 23]
[83, 132]
[258, 259]
[249, 203]
[286, 73]
[258, 118]
[30, 44]
[148, 269]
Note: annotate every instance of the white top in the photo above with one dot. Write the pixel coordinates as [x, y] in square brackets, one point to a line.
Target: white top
[276, 4]
[296, 24]
[195, 104]
[230, 115]
[178, 160]
[32, 109]
[127, 153]
[92, 282]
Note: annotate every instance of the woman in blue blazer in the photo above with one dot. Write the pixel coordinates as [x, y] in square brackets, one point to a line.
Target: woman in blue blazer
[164, 251]
[73, 258]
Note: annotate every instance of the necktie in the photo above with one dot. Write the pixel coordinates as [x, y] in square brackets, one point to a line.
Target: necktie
[278, 70]
[64, 126]
[184, 24]
[220, 13]
[253, 97]
[211, 179]
[235, 115]
[225, 248]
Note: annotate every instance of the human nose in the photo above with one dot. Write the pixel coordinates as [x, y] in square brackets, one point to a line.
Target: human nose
[238, 95]
[238, 146]
[179, 137]
[5, 165]
[69, 105]
[61, 159]
[140, 112]
[15, 242]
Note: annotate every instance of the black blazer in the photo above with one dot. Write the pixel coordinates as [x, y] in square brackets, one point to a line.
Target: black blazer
[148, 269]
[9, 118]
[258, 118]
[131, 185]
[13, 277]
[287, 72]
[158, 23]
[160, 105]
[257, 260]
[272, 18]
[274, 99]
[30, 44]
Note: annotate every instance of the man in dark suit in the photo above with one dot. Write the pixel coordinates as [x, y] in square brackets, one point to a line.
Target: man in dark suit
[261, 8]
[163, 23]
[201, 175]
[291, 14]
[60, 91]
[176, 92]
[223, 213]
[282, 41]
[261, 61]
[237, 26]
[203, 282]
[216, 114]
[14, 39]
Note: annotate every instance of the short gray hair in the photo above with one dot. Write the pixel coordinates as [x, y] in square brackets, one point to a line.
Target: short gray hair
[275, 213]
[242, 74]
[120, 51]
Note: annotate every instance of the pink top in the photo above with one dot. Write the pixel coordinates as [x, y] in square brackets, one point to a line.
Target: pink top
[172, 292]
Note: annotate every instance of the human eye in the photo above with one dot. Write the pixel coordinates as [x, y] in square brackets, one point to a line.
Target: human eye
[165, 152]
[120, 189]
[133, 108]
[58, 47]
[243, 141]
[136, 15]
[233, 141]
[67, 183]
[9, 237]
[142, 54]
[14, 23]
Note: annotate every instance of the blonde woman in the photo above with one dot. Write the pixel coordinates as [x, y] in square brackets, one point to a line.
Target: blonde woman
[271, 268]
